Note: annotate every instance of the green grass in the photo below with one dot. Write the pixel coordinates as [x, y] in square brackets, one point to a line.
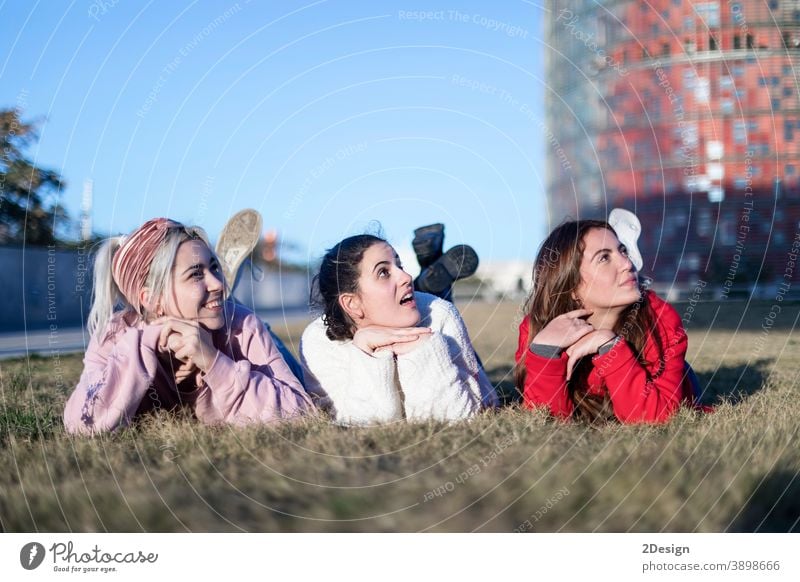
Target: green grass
[735, 470]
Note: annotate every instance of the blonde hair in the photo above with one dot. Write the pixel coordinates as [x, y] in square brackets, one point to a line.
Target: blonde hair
[107, 299]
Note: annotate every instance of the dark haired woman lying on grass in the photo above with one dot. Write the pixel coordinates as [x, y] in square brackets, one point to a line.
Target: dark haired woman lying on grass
[381, 352]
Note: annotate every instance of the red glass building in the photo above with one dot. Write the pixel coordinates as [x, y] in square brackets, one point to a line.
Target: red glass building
[687, 113]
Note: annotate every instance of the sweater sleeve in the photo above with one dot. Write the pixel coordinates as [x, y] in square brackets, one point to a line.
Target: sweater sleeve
[357, 388]
[258, 388]
[116, 375]
[545, 377]
[647, 395]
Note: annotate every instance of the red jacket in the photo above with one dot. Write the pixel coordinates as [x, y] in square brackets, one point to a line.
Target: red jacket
[636, 395]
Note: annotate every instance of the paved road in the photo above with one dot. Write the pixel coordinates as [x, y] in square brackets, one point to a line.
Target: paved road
[42, 342]
[70, 340]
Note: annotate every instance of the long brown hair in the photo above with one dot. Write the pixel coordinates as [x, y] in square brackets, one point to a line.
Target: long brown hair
[556, 276]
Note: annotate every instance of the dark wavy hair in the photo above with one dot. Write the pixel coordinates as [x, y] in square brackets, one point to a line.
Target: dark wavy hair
[339, 273]
[556, 276]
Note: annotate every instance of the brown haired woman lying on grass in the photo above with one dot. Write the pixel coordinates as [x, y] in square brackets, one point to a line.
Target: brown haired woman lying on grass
[595, 345]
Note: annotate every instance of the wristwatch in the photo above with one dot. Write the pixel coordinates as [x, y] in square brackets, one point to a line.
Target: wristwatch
[606, 347]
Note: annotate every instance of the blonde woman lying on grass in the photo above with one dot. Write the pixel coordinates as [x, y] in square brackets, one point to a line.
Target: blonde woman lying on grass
[163, 336]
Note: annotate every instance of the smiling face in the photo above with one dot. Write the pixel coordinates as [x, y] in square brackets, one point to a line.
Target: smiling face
[197, 289]
[608, 278]
[385, 295]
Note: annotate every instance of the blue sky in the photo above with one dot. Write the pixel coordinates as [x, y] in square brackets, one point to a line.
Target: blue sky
[323, 115]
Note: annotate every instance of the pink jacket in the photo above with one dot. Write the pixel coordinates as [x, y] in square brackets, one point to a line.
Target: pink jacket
[123, 377]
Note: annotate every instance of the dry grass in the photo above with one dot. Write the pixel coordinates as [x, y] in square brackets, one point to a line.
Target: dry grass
[735, 470]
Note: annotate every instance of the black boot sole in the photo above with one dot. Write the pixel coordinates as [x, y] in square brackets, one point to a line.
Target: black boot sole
[459, 262]
[427, 243]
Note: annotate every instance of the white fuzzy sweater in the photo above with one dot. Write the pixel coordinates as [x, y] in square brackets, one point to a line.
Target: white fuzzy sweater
[440, 379]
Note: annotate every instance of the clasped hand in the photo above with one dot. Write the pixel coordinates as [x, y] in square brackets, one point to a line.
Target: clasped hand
[571, 331]
[187, 342]
[398, 340]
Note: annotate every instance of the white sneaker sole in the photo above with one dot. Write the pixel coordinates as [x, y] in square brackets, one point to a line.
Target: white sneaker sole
[628, 228]
[238, 239]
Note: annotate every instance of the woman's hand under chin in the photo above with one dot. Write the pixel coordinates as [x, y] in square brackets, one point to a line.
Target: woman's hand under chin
[588, 344]
[373, 338]
[189, 342]
[405, 347]
[188, 376]
[564, 330]
[185, 374]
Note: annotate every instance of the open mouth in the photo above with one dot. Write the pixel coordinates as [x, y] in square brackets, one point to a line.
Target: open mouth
[407, 299]
[214, 304]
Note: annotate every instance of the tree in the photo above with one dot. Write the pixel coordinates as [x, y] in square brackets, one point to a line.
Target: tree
[29, 209]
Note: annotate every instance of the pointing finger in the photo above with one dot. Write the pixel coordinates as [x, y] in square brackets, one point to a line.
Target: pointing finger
[578, 313]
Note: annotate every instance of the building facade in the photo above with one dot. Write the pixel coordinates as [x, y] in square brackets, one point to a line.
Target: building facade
[687, 113]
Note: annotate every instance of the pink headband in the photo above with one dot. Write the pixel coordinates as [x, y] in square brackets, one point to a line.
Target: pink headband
[131, 263]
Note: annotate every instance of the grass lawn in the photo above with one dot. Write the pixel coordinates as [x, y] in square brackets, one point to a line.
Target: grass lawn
[734, 470]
